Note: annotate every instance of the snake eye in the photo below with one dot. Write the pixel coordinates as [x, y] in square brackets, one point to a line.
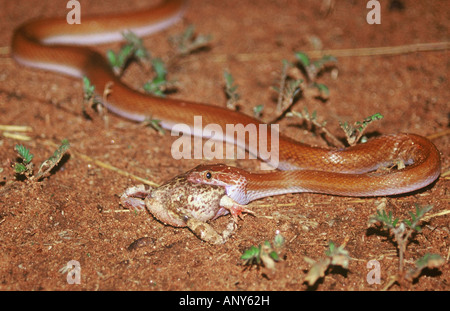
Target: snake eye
[208, 175]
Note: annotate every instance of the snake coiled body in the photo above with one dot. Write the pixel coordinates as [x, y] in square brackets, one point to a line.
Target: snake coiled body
[52, 44]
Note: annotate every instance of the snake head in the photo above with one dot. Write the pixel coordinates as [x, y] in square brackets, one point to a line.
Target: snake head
[233, 179]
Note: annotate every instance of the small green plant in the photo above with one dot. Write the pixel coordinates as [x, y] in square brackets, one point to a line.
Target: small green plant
[54, 159]
[355, 132]
[257, 111]
[88, 90]
[155, 124]
[133, 49]
[291, 85]
[288, 88]
[187, 42]
[159, 84]
[313, 123]
[313, 68]
[264, 254]
[430, 261]
[335, 256]
[231, 90]
[402, 232]
[25, 168]
[90, 99]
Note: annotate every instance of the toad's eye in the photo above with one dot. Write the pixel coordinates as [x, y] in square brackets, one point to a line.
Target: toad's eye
[208, 175]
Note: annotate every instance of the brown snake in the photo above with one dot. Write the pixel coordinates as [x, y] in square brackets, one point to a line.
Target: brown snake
[52, 44]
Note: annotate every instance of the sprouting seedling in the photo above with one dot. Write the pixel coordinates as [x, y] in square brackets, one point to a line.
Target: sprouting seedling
[155, 124]
[90, 99]
[291, 86]
[140, 51]
[257, 111]
[26, 167]
[53, 160]
[402, 231]
[313, 68]
[335, 256]
[355, 132]
[88, 89]
[264, 254]
[288, 88]
[159, 84]
[430, 261]
[133, 48]
[187, 42]
[230, 90]
[312, 121]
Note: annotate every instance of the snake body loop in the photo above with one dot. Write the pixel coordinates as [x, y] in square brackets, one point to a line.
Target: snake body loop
[52, 44]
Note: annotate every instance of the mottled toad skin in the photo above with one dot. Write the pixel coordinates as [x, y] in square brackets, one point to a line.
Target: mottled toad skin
[180, 203]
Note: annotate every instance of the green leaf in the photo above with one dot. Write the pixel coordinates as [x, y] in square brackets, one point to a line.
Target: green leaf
[394, 223]
[323, 89]
[274, 255]
[385, 219]
[24, 153]
[112, 58]
[258, 109]
[138, 49]
[250, 253]
[229, 80]
[279, 240]
[125, 52]
[159, 68]
[303, 58]
[155, 87]
[20, 168]
[88, 88]
[420, 212]
[230, 89]
[156, 124]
